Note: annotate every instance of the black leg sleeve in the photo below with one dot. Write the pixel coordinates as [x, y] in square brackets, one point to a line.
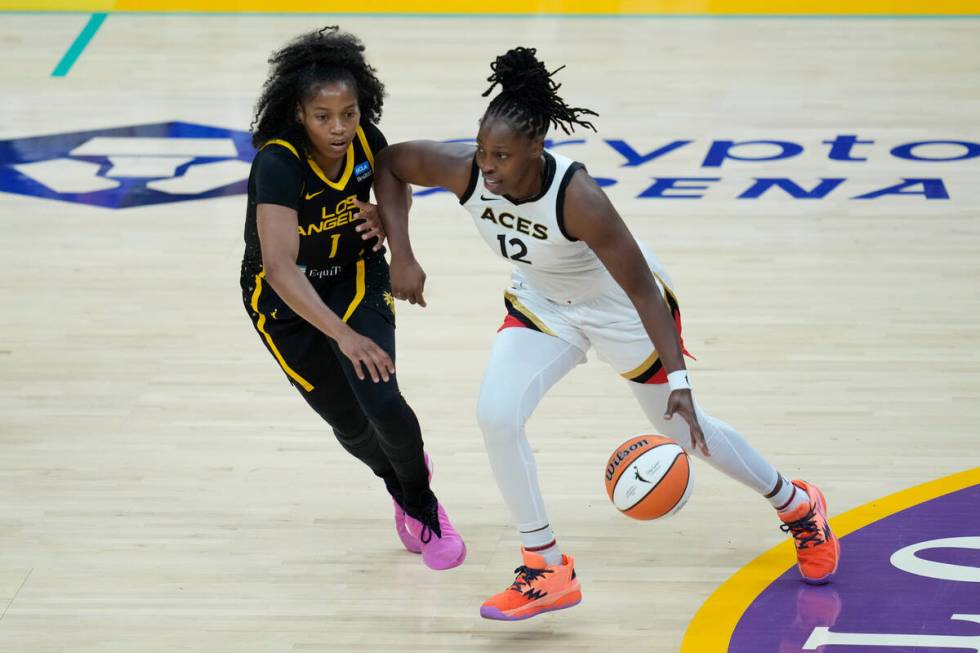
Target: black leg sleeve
[399, 434]
[334, 401]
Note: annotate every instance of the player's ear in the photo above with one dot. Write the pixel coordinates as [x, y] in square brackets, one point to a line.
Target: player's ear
[299, 113]
[537, 147]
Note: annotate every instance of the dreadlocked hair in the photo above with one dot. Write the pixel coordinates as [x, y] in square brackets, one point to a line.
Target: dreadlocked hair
[300, 69]
[528, 98]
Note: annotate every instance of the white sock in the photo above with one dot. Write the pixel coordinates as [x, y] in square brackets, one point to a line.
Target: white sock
[551, 555]
[786, 497]
[542, 542]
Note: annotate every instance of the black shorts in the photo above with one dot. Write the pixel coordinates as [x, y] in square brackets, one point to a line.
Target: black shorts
[360, 295]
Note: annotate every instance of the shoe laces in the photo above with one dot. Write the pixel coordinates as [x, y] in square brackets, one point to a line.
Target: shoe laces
[430, 524]
[526, 577]
[805, 530]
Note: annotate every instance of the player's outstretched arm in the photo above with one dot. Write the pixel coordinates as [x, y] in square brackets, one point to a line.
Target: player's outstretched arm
[591, 217]
[422, 163]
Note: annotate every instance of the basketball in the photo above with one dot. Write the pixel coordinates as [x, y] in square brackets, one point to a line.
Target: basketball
[649, 477]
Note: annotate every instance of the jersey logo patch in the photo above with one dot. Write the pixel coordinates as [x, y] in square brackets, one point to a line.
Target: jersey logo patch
[362, 171]
[310, 196]
[123, 167]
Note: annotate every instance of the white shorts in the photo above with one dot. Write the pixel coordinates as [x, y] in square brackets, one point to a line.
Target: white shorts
[608, 322]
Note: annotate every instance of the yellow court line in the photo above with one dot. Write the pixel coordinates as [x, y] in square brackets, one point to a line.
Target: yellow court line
[711, 629]
[522, 7]
[94, 6]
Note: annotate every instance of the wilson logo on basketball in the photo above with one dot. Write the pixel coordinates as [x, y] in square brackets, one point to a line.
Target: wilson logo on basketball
[622, 455]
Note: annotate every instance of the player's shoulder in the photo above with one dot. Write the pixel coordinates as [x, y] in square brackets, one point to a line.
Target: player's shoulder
[278, 150]
[278, 160]
[581, 190]
[373, 135]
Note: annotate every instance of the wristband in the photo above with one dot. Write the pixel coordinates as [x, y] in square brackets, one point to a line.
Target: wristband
[678, 380]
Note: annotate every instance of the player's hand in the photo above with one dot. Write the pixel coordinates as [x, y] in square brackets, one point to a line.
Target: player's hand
[371, 225]
[362, 351]
[408, 280]
[681, 401]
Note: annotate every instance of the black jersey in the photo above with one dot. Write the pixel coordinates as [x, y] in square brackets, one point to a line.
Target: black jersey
[281, 174]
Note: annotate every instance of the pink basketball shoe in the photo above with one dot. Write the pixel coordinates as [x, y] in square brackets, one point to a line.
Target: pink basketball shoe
[442, 546]
[409, 541]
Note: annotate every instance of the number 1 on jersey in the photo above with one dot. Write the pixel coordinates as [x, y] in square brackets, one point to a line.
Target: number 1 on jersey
[518, 244]
[334, 240]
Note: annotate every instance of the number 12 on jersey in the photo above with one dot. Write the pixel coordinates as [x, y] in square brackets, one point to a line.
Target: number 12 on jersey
[517, 244]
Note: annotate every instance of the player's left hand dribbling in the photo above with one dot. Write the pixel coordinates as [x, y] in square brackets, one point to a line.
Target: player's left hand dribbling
[371, 225]
[682, 402]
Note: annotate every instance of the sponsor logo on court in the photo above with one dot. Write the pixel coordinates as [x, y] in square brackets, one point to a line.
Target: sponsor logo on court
[910, 581]
[178, 161]
[766, 168]
[129, 166]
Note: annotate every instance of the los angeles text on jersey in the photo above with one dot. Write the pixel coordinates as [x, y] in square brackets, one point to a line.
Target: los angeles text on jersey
[516, 223]
[344, 213]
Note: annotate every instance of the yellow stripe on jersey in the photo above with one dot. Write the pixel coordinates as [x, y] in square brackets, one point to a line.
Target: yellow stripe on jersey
[367, 148]
[642, 367]
[341, 183]
[519, 307]
[285, 144]
[260, 325]
[358, 290]
[668, 296]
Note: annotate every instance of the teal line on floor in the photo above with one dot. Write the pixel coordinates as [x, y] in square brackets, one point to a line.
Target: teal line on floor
[79, 45]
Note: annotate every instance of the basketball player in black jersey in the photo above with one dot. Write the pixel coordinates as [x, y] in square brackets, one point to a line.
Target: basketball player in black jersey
[316, 288]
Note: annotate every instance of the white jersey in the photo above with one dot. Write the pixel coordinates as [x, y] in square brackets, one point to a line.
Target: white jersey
[531, 235]
[559, 286]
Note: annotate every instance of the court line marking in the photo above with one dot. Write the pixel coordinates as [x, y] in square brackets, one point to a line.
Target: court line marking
[301, 14]
[711, 629]
[76, 49]
[14, 597]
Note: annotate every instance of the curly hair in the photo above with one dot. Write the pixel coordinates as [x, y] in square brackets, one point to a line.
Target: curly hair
[529, 98]
[303, 67]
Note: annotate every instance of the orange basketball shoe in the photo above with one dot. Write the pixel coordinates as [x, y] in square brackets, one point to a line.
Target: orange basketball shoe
[538, 588]
[817, 548]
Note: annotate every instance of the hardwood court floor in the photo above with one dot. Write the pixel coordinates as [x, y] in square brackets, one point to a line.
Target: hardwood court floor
[162, 488]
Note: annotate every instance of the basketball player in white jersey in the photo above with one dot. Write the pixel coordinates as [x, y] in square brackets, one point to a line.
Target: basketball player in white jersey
[580, 280]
